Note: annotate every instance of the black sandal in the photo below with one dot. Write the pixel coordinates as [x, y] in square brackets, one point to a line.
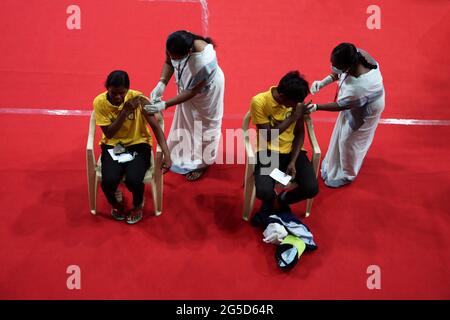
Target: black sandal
[118, 214]
[135, 216]
[195, 175]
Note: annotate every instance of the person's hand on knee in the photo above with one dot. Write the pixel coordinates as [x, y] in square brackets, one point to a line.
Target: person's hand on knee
[291, 170]
[167, 163]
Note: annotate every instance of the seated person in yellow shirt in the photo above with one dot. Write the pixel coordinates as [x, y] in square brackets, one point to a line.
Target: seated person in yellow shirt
[118, 111]
[281, 109]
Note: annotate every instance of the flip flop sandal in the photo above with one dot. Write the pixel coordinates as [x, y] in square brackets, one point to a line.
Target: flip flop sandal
[135, 216]
[195, 175]
[117, 215]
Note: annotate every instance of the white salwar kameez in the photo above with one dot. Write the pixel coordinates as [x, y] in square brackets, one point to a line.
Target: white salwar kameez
[355, 128]
[196, 128]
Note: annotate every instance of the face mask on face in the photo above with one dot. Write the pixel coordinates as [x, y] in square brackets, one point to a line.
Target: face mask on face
[177, 64]
[336, 70]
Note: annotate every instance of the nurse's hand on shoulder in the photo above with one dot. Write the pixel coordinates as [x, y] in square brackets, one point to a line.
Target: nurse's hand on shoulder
[155, 107]
[300, 109]
[311, 108]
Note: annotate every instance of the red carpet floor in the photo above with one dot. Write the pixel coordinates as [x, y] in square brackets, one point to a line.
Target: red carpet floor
[395, 215]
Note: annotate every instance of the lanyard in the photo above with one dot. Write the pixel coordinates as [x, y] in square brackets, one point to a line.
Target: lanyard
[180, 72]
[339, 88]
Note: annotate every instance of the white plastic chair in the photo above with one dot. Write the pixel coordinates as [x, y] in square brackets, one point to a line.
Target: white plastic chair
[153, 176]
[250, 161]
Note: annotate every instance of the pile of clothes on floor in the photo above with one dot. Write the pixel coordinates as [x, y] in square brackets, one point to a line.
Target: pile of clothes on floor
[288, 233]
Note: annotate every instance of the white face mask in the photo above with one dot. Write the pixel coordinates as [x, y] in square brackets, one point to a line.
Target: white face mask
[336, 70]
[179, 63]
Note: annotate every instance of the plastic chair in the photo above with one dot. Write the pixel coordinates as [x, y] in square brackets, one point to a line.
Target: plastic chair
[250, 161]
[153, 176]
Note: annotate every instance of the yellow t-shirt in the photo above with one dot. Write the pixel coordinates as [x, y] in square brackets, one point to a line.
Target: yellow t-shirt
[134, 129]
[265, 110]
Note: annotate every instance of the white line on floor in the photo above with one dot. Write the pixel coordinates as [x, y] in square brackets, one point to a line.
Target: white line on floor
[65, 112]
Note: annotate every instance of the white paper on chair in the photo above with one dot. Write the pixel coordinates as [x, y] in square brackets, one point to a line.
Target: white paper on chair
[280, 176]
[124, 157]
